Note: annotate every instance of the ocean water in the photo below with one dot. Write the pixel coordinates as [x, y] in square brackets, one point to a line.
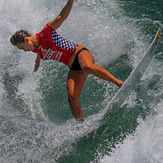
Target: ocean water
[36, 124]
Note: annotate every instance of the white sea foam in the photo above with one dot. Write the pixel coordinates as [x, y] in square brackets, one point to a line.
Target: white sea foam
[145, 145]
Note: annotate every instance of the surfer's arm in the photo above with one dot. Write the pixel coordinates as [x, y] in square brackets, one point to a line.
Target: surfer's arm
[37, 63]
[62, 16]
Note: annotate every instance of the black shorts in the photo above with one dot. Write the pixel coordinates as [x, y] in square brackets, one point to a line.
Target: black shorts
[76, 66]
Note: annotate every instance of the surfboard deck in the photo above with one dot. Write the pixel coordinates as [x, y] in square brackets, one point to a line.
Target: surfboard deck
[122, 94]
[134, 76]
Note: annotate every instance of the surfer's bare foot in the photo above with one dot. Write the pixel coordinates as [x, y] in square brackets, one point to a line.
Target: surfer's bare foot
[120, 83]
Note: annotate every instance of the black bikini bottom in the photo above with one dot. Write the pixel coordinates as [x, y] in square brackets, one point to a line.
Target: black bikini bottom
[76, 66]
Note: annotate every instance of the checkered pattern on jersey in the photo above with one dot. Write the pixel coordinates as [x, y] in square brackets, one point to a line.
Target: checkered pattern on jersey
[62, 43]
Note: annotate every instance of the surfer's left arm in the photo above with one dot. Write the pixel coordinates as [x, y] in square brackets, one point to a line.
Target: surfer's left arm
[37, 63]
[56, 23]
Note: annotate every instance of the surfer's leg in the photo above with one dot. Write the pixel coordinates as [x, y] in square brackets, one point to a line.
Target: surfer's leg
[75, 82]
[86, 62]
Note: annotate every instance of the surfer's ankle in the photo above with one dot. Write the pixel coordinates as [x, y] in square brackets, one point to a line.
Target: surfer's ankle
[80, 119]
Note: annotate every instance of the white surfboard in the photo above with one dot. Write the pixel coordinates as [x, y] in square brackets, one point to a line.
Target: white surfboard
[135, 76]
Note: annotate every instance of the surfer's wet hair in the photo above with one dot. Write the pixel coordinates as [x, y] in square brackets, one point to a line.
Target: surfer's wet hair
[19, 36]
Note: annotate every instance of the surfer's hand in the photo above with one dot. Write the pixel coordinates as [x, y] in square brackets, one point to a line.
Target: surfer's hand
[37, 63]
[35, 69]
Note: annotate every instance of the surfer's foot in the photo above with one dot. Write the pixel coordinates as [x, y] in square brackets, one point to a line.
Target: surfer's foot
[120, 83]
[92, 135]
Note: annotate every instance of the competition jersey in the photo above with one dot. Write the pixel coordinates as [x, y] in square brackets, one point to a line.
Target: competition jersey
[54, 47]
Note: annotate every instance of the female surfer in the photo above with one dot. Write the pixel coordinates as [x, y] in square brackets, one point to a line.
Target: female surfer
[49, 45]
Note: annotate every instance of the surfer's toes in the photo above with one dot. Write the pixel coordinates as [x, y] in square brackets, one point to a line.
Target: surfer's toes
[120, 83]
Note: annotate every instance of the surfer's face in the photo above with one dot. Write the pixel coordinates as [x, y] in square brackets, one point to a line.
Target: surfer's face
[27, 45]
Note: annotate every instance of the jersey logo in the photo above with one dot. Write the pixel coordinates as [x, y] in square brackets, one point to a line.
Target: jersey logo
[50, 54]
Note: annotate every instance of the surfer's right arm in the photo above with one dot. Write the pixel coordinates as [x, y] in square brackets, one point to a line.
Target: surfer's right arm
[37, 64]
[56, 23]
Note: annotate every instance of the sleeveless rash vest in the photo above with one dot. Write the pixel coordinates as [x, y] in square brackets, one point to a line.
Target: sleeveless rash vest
[54, 47]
